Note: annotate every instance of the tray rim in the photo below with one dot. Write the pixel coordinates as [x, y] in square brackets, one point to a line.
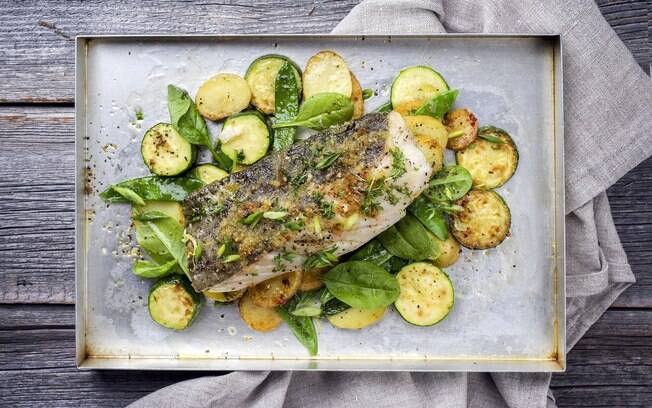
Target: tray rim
[557, 360]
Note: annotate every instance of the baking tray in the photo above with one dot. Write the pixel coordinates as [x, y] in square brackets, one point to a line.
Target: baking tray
[509, 312]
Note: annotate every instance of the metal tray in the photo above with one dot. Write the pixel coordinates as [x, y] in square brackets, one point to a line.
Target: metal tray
[509, 312]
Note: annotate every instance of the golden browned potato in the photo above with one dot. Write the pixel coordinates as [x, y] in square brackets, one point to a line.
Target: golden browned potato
[354, 318]
[356, 97]
[450, 252]
[312, 280]
[462, 126]
[276, 291]
[326, 71]
[261, 319]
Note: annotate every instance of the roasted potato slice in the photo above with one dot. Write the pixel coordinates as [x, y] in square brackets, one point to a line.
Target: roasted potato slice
[462, 126]
[261, 319]
[276, 291]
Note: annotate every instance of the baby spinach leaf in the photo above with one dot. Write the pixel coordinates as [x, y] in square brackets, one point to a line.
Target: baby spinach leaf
[302, 327]
[170, 233]
[287, 92]
[438, 105]
[191, 125]
[362, 284]
[408, 239]
[129, 195]
[430, 216]
[149, 270]
[321, 111]
[307, 304]
[153, 188]
[384, 108]
[449, 183]
[373, 251]
[333, 307]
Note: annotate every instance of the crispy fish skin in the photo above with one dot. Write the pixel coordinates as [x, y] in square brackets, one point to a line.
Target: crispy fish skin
[339, 188]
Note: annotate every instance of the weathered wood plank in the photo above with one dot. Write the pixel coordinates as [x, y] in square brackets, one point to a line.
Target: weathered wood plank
[38, 351]
[37, 37]
[37, 206]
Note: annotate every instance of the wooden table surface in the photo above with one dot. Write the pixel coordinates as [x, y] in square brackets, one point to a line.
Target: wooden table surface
[611, 366]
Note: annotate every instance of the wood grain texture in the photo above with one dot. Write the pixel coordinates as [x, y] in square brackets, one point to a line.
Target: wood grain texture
[38, 350]
[37, 37]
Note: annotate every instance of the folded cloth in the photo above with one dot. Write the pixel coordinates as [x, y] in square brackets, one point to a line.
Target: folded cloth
[608, 131]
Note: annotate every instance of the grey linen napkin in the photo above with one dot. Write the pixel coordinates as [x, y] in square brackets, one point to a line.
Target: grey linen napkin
[608, 117]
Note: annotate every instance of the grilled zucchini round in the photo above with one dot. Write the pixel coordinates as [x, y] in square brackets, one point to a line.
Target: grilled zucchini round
[427, 294]
[484, 221]
[416, 83]
[245, 137]
[492, 159]
[208, 173]
[165, 152]
[173, 303]
[261, 77]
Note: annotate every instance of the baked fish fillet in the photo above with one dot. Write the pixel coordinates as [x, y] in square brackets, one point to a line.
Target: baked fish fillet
[336, 190]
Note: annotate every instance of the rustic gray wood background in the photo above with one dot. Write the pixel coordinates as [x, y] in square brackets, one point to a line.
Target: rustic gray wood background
[611, 366]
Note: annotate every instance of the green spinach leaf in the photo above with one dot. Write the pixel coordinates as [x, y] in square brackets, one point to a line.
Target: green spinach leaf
[362, 284]
[430, 216]
[170, 234]
[191, 125]
[438, 105]
[408, 239]
[153, 188]
[302, 327]
[287, 92]
[373, 251]
[384, 108]
[129, 195]
[150, 270]
[449, 183]
[321, 111]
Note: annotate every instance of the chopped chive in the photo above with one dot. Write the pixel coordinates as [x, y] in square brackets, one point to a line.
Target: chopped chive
[367, 93]
[455, 133]
[492, 139]
[252, 219]
[231, 258]
[221, 250]
[316, 224]
[327, 161]
[274, 215]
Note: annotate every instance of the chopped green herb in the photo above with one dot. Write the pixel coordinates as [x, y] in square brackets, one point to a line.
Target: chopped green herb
[491, 139]
[455, 133]
[325, 206]
[283, 258]
[367, 93]
[252, 219]
[231, 258]
[274, 215]
[372, 192]
[321, 259]
[398, 163]
[298, 180]
[316, 224]
[139, 114]
[295, 225]
[221, 250]
[239, 156]
[327, 160]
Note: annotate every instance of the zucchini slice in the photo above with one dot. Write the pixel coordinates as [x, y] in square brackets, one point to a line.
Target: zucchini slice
[173, 303]
[165, 152]
[224, 297]
[355, 319]
[208, 173]
[261, 77]
[462, 126]
[484, 223]
[276, 291]
[431, 137]
[356, 98]
[326, 71]
[450, 252]
[245, 137]
[492, 159]
[261, 319]
[427, 294]
[416, 83]
[222, 95]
